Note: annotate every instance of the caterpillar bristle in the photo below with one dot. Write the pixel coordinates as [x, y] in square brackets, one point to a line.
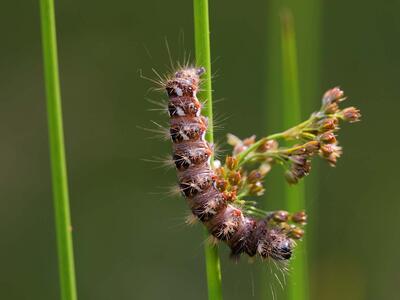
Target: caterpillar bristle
[160, 132]
[219, 121]
[191, 219]
[160, 104]
[161, 162]
[278, 271]
[218, 152]
[211, 240]
[158, 84]
[173, 191]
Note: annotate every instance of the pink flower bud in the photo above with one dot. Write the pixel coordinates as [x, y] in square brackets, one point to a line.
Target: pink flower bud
[351, 114]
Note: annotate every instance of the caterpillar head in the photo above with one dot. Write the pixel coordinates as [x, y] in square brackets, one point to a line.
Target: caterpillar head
[282, 249]
[276, 244]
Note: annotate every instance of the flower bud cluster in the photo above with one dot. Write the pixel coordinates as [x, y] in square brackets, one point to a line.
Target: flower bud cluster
[255, 179]
[229, 180]
[330, 106]
[328, 124]
[322, 128]
[300, 161]
[331, 100]
[291, 224]
[238, 144]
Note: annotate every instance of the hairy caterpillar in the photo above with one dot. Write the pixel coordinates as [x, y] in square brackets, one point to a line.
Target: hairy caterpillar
[216, 195]
[199, 182]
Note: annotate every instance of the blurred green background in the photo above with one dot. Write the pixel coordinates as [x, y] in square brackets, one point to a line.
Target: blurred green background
[130, 238]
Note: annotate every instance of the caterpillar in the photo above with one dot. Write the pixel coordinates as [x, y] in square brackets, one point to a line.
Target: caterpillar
[198, 181]
[216, 195]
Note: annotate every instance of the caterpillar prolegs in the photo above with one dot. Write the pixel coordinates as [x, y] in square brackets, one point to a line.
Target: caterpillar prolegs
[216, 195]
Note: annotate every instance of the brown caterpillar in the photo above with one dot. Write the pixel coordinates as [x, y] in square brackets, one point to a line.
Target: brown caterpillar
[198, 180]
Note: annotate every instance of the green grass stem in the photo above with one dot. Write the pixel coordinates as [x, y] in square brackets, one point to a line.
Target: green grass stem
[203, 58]
[57, 153]
[294, 195]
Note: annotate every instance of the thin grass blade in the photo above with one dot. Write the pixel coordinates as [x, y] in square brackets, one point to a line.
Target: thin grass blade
[57, 153]
[294, 195]
[203, 58]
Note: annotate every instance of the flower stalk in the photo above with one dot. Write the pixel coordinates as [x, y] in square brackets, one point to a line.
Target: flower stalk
[203, 58]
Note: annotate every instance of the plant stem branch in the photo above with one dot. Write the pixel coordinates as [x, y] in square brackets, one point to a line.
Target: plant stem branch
[291, 133]
[203, 58]
[57, 153]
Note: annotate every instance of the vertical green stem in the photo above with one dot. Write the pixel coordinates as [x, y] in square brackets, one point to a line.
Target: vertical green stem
[203, 58]
[307, 14]
[57, 153]
[294, 195]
